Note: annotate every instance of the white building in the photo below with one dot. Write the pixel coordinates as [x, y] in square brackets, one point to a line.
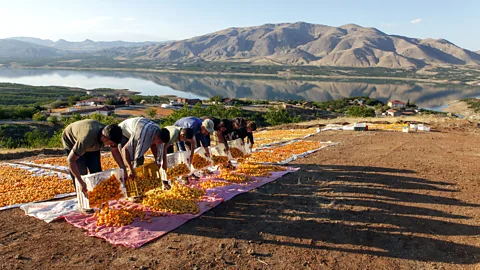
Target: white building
[396, 104]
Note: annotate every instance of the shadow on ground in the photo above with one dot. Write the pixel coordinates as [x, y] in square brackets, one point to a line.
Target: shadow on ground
[363, 210]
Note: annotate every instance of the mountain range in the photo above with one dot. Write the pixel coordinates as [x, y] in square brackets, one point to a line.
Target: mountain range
[15, 49]
[270, 44]
[313, 44]
[86, 45]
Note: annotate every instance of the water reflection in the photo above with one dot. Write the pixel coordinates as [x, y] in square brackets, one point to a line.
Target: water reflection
[425, 95]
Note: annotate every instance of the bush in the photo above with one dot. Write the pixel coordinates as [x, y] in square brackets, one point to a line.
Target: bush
[106, 120]
[52, 119]
[56, 140]
[36, 139]
[57, 104]
[280, 116]
[151, 112]
[360, 111]
[39, 117]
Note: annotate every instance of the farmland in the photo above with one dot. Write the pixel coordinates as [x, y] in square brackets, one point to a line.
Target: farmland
[376, 200]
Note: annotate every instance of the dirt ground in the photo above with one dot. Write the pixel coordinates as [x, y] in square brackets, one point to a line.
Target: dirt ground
[161, 112]
[379, 200]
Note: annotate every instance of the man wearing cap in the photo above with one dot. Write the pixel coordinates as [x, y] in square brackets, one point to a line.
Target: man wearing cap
[139, 135]
[201, 129]
[221, 127]
[83, 141]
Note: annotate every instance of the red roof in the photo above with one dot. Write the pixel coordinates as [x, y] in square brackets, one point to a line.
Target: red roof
[105, 109]
[396, 102]
[392, 111]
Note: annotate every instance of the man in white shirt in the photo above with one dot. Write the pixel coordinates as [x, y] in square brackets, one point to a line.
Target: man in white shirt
[139, 135]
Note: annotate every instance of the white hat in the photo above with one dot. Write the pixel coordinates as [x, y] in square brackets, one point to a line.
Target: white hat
[208, 125]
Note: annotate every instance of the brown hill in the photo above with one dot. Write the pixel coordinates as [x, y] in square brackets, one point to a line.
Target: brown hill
[313, 44]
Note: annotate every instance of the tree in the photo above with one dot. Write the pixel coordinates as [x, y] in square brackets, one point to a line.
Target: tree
[277, 116]
[151, 112]
[39, 117]
[110, 102]
[217, 99]
[52, 119]
[360, 111]
[73, 99]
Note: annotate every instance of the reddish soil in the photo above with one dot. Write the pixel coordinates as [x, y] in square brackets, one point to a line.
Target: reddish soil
[379, 200]
[161, 112]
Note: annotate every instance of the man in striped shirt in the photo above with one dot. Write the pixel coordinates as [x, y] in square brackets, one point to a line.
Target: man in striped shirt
[139, 135]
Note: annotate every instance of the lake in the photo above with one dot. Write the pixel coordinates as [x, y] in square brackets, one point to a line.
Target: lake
[201, 86]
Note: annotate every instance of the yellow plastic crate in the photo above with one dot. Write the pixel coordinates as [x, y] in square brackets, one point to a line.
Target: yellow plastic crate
[150, 171]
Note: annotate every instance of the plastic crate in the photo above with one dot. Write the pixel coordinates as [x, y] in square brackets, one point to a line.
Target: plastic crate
[92, 180]
[413, 127]
[173, 160]
[149, 170]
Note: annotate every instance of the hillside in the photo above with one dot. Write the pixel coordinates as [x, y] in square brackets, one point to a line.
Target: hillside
[10, 48]
[86, 45]
[303, 43]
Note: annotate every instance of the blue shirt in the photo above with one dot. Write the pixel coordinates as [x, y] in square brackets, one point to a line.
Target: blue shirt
[195, 124]
[190, 122]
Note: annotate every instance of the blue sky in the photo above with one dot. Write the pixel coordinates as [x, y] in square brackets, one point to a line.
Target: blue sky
[457, 21]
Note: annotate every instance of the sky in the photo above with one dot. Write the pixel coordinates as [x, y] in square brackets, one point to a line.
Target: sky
[157, 20]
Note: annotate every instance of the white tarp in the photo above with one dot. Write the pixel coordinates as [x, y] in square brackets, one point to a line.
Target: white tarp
[50, 211]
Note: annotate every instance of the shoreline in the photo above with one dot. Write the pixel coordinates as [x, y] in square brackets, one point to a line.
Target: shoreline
[461, 108]
[258, 75]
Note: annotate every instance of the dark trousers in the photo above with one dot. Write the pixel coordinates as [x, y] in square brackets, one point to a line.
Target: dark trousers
[200, 138]
[88, 163]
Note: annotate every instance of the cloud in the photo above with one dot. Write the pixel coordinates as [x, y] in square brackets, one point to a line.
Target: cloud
[416, 21]
[128, 19]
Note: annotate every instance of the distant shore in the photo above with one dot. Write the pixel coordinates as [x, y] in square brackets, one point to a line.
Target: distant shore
[258, 75]
[459, 107]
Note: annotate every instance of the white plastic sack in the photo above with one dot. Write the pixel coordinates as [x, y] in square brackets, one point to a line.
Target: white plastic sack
[219, 150]
[50, 211]
[201, 151]
[238, 143]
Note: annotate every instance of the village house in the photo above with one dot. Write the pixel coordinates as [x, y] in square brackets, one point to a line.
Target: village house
[188, 101]
[286, 106]
[396, 104]
[128, 101]
[92, 101]
[228, 101]
[408, 112]
[393, 112]
[307, 104]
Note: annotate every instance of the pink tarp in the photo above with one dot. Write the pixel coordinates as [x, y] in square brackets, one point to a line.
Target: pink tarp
[139, 233]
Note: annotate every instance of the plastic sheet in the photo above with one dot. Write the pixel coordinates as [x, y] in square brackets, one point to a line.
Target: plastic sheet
[139, 233]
